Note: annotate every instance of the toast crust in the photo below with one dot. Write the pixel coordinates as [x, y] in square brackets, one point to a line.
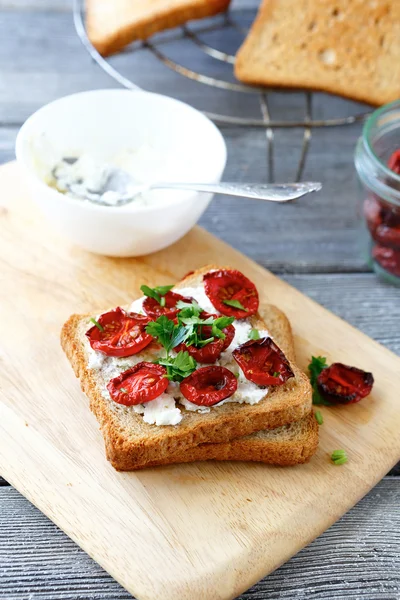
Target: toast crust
[113, 24]
[132, 443]
[351, 48]
[274, 449]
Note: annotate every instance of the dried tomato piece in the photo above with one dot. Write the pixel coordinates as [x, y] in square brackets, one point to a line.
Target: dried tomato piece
[209, 385]
[119, 333]
[394, 162]
[142, 383]
[388, 259]
[211, 351]
[388, 236]
[383, 222]
[153, 309]
[373, 212]
[341, 384]
[231, 293]
[263, 362]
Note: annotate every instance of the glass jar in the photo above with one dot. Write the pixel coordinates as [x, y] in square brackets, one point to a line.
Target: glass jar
[377, 161]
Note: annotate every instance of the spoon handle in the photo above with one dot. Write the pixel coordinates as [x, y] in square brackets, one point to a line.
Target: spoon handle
[274, 192]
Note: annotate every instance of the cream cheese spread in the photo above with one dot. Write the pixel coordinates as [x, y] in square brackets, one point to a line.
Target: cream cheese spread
[111, 180]
[166, 409]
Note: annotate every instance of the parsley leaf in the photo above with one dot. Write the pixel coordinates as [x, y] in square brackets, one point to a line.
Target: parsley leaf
[97, 324]
[157, 293]
[235, 304]
[167, 332]
[178, 367]
[190, 318]
[219, 324]
[163, 289]
[182, 305]
[254, 334]
[316, 366]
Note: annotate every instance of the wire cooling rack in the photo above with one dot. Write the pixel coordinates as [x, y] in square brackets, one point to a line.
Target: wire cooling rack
[185, 35]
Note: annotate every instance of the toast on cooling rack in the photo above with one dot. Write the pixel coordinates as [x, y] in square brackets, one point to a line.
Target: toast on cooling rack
[346, 47]
[113, 24]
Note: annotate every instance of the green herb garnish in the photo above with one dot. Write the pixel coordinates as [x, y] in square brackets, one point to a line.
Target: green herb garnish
[254, 334]
[178, 367]
[167, 332]
[318, 417]
[157, 293]
[181, 304]
[170, 335]
[219, 324]
[235, 304]
[316, 366]
[188, 330]
[236, 375]
[339, 457]
[97, 324]
[190, 318]
[276, 374]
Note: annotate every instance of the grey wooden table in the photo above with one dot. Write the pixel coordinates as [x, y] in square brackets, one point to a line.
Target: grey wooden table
[312, 244]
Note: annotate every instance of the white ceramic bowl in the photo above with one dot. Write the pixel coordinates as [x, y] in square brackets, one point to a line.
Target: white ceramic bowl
[104, 123]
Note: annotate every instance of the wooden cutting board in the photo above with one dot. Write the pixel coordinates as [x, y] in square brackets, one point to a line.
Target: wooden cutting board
[205, 531]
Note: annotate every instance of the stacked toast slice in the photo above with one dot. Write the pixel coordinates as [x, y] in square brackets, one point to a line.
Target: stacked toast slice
[280, 429]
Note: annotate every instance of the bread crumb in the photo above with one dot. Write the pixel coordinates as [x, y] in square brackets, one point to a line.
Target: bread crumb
[328, 56]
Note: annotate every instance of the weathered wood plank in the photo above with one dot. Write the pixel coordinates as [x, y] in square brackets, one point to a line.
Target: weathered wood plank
[361, 299]
[31, 5]
[356, 558]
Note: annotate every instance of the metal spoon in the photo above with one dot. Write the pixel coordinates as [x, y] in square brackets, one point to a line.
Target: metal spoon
[121, 189]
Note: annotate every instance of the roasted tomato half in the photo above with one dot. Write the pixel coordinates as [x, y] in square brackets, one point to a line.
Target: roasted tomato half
[341, 384]
[119, 333]
[154, 310]
[211, 351]
[231, 293]
[388, 259]
[209, 385]
[263, 362]
[142, 383]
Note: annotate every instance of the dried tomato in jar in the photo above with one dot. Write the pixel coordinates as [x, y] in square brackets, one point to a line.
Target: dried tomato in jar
[377, 161]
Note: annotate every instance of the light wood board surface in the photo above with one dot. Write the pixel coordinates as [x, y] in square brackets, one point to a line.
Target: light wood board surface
[205, 531]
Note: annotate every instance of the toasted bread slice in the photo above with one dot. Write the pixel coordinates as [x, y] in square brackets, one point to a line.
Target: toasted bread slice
[130, 442]
[113, 24]
[284, 446]
[346, 47]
